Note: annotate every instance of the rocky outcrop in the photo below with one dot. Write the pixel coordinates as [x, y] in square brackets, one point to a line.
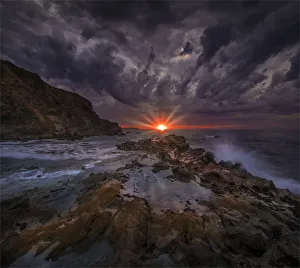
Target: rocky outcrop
[171, 143]
[246, 222]
[32, 109]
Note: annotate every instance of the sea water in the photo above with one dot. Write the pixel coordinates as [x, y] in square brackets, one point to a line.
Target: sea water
[270, 154]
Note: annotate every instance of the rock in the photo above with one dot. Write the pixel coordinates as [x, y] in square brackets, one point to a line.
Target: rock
[171, 229]
[198, 151]
[182, 173]
[257, 243]
[167, 143]
[87, 221]
[177, 256]
[164, 157]
[177, 142]
[132, 165]
[244, 222]
[208, 157]
[286, 252]
[128, 229]
[33, 167]
[126, 258]
[32, 108]
[128, 146]
[57, 190]
[23, 226]
[199, 253]
[226, 164]
[237, 166]
[157, 167]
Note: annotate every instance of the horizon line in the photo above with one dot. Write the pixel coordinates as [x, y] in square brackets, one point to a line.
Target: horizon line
[174, 127]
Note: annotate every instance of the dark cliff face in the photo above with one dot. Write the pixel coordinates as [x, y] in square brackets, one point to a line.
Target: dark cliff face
[30, 109]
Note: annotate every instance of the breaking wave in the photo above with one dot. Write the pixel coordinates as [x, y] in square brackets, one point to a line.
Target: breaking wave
[254, 164]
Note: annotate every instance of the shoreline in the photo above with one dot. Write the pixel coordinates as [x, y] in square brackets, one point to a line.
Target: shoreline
[159, 207]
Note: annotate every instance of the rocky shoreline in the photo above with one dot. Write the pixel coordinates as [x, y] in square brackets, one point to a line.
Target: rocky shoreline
[226, 217]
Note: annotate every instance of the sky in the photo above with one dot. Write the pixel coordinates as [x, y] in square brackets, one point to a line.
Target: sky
[241, 69]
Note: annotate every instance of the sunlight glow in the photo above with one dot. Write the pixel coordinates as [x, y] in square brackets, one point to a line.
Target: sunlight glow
[157, 121]
[161, 127]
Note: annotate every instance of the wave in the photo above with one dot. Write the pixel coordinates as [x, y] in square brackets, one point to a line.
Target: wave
[59, 152]
[39, 174]
[253, 164]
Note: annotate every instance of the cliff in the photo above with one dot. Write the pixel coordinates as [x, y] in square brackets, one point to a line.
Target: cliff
[31, 109]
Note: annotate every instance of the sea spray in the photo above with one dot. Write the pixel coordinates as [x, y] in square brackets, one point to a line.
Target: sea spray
[254, 164]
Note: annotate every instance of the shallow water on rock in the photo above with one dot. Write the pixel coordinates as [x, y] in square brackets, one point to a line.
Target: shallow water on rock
[164, 193]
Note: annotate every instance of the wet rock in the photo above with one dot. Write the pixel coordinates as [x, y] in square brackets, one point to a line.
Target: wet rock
[257, 243]
[199, 253]
[133, 164]
[128, 146]
[170, 229]
[128, 229]
[182, 173]
[157, 167]
[57, 190]
[88, 221]
[286, 252]
[126, 258]
[168, 143]
[23, 226]
[33, 167]
[19, 209]
[177, 256]
[246, 222]
[164, 157]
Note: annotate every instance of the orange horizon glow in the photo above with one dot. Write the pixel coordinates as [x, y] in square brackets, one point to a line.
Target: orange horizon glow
[147, 127]
[154, 121]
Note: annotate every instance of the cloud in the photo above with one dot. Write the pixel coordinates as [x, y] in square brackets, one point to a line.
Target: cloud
[245, 56]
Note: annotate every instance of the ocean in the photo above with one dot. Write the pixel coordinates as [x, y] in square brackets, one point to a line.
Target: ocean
[269, 154]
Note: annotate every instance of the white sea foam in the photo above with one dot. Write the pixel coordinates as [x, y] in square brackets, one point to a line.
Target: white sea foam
[39, 174]
[55, 151]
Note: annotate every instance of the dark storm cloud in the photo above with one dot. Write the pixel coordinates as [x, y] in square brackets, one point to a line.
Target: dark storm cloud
[294, 71]
[245, 56]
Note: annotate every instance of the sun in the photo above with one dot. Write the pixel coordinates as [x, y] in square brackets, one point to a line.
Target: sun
[161, 127]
